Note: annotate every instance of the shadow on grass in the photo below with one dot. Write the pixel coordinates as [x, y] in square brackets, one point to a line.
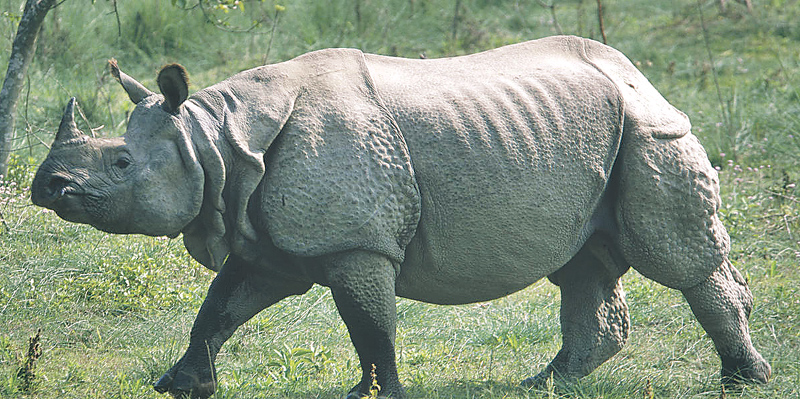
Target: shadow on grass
[633, 388]
[463, 389]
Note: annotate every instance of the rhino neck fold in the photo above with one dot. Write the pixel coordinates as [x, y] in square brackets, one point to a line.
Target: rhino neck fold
[334, 111]
[232, 124]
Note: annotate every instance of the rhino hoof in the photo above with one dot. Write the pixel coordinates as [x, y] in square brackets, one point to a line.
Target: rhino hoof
[548, 376]
[182, 385]
[537, 381]
[163, 384]
[739, 373]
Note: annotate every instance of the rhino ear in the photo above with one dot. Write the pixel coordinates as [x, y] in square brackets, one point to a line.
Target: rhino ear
[136, 91]
[173, 82]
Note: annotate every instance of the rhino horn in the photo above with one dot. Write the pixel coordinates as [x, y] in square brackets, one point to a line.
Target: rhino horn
[68, 130]
[136, 91]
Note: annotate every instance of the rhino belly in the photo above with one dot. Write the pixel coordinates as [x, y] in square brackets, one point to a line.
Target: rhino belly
[493, 239]
[510, 173]
[493, 220]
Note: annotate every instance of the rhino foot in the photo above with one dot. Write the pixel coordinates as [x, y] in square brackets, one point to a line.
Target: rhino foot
[736, 372]
[537, 381]
[184, 383]
[549, 374]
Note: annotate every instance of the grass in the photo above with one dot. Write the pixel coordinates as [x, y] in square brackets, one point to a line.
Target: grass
[115, 311]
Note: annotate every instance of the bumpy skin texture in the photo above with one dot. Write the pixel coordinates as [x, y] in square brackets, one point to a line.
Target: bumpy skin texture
[448, 181]
[722, 304]
[594, 315]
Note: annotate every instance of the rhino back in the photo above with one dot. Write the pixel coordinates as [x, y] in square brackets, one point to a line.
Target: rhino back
[512, 151]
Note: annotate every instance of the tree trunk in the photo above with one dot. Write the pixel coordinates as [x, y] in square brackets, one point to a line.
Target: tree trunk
[21, 53]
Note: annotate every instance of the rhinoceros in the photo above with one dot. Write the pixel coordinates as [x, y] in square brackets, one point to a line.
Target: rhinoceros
[448, 181]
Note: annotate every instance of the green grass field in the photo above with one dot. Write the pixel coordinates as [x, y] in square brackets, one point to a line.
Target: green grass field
[115, 311]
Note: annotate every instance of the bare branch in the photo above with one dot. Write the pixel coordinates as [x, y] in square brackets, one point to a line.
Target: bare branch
[119, 24]
[552, 8]
[456, 19]
[217, 23]
[278, 10]
[600, 20]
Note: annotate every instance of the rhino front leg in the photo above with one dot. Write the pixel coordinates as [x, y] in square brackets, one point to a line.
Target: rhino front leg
[722, 305]
[594, 316]
[363, 287]
[239, 292]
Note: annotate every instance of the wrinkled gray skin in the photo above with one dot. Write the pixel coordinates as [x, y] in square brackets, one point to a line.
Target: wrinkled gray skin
[447, 181]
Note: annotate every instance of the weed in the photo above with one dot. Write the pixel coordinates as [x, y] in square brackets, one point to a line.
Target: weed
[27, 371]
[648, 390]
[374, 388]
[295, 363]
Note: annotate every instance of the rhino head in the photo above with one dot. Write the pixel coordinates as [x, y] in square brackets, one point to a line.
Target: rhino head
[145, 182]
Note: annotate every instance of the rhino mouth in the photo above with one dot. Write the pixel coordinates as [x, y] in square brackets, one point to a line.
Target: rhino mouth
[66, 197]
[51, 190]
[66, 190]
[78, 201]
[74, 206]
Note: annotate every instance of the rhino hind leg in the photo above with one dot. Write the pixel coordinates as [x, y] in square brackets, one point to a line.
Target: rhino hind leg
[722, 305]
[363, 287]
[669, 231]
[238, 292]
[594, 315]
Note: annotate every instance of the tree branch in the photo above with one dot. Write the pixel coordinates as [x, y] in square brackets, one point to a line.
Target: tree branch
[119, 24]
[552, 8]
[600, 20]
[22, 51]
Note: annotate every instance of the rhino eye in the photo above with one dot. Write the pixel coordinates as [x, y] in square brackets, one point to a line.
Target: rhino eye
[122, 163]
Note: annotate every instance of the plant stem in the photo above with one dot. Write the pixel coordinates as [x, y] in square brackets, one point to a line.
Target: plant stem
[725, 112]
[272, 35]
